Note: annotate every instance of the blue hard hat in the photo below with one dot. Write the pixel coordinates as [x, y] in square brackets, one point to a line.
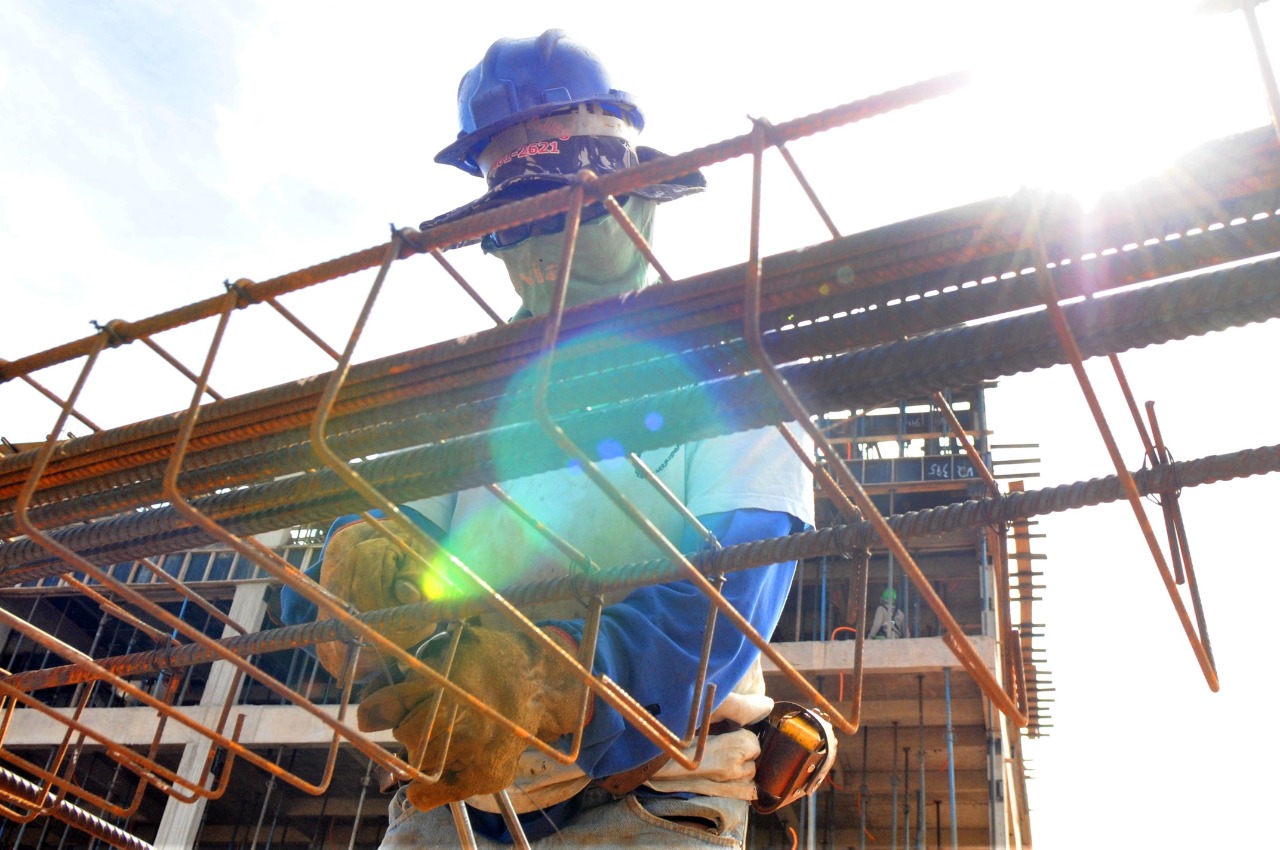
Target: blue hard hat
[524, 78]
[530, 82]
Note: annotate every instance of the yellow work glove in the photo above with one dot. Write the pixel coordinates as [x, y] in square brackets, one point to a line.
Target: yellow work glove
[364, 568]
[508, 672]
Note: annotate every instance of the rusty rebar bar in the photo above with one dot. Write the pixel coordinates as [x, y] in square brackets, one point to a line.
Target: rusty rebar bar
[531, 209]
[15, 786]
[940, 254]
[957, 357]
[835, 540]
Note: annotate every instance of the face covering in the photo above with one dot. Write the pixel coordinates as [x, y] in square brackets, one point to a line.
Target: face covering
[605, 261]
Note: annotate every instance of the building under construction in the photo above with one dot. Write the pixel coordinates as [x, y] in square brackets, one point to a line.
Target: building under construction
[152, 699]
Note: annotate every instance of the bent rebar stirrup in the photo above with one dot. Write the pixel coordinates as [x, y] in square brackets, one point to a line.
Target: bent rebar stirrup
[848, 324]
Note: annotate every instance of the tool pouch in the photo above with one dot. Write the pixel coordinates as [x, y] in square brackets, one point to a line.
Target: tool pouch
[797, 748]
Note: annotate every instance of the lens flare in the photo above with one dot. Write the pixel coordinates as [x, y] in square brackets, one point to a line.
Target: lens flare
[610, 410]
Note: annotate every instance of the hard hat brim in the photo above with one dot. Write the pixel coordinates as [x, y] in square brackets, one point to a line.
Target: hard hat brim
[460, 153]
[525, 185]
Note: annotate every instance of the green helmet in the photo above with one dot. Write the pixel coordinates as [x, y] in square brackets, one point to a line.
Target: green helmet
[889, 597]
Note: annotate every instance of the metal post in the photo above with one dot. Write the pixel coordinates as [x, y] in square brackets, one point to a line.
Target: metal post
[951, 759]
[920, 814]
[822, 600]
[862, 792]
[811, 822]
[266, 799]
[906, 797]
[993, 819]
[275, 816]
[364, 789]
[984, 590]
[893, 783]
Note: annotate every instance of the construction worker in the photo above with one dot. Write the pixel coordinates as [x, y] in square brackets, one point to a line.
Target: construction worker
[533, 113]
[889, 621]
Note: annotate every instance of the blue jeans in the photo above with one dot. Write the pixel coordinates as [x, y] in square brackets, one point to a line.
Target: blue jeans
[603, 822]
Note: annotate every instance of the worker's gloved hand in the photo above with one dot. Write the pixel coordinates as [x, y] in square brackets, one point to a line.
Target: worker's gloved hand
[363, 567]
[507, 671]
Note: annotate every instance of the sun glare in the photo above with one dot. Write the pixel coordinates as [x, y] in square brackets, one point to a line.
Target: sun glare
[1097, 96]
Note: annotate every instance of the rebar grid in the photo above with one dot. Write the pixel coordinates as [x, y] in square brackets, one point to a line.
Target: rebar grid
[950, 251]
[857, 379]
[76, 501]
[837, 540]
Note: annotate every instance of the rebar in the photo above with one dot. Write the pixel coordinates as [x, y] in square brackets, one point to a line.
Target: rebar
[471, 228]
[940, 254]
[832, 315]
[834, 540]
[16, 786]
[863, 378]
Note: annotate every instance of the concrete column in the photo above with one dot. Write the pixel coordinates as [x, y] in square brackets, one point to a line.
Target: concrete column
[180, 824]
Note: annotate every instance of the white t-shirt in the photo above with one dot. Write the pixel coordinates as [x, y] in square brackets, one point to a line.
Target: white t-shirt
[750, 469]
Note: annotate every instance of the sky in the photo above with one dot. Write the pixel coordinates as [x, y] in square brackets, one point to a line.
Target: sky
[150, 151]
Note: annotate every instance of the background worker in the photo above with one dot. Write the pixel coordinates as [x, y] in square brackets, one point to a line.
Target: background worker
[889, 621]
[532, 114]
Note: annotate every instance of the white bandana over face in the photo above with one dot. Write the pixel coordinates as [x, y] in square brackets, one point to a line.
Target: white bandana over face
[606, 262]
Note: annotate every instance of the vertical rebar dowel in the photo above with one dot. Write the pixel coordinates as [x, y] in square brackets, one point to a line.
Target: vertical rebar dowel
[62, 840]
[1264, 64]
[993, 772]
[320, 821]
